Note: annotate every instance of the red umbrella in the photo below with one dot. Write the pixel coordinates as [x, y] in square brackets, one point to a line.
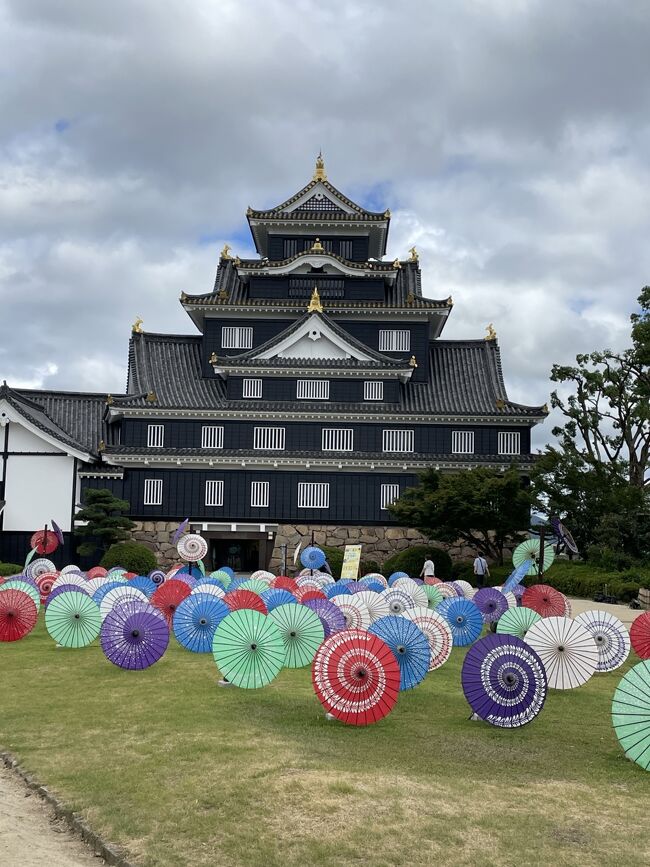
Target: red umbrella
[285, 583]
[356, 677]
[169, 596]
[45, 583]
[304, 594]
[45, 542]
[96, 572]
[18, 615]
[245, 599]
[431, 580]
[640, 635]
[545, 600]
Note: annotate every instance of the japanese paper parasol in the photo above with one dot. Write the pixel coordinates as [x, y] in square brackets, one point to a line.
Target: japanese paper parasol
[304, 594]
[545, 600]
[566, 648]
[464, 586]
[355, 586]
[58, 531]
[517, 621]
[45, 582]
[529, 550]
[73, 619]
[640, 635]
[310, 583]
[70, 578]
[236, 599]
[145, 584]
[25, 586]
[38, 567]
[397, 600]
[255, 585]
[134, 635]
[395, 576]
[337, 589]
[631, 713]
[356, 677]
[378, 577]
[376, 603]
[99, 594]
[210, 587]
[196, 619]
[610, 635]
[44, 542]
[464, 619]
[169, 596]
[277, 596]
[123, 593]
[283, 582]
[517, 575]
[192, 547]
[248, 648]
[354, 611]
[511, 599]
[437, 631]
[312, 557]
[373, 584]
[416, 591]
[302, 633]
[18, 615]
[93, 584]
[504, 681]
[157, 576]
[446, 590]
[410, 646]
[262, 574]
[58, 590]
[434, 597]
[491, 603]
[564, 535]
[97, 572]
[330, 615]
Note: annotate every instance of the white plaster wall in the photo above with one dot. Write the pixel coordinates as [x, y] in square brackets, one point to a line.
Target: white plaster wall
[307, 347]
[38, 490]
[23, 440]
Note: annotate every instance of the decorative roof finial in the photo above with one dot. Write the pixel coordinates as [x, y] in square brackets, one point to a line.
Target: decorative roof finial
[413, 362]
[225, 253]
[222, 294]
[319, 171]
[136, 328]
[152, 397]
[213, 358]
[491, 333]
[314, 305]
[500, 402]
[317, 247]
[101, 446]
[545, 409]
[397, 264]
[109, 399]
[414, 255]
[450, 301]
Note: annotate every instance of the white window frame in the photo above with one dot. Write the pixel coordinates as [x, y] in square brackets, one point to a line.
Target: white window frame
[214, 492]
[211, 436]
[337, 439]
[373, 390]
[270, 439]
[509, 442]
[313, 495]
[259, 495]
[398, 440]
[153, 492]
[389, 494]
[236, 337]
[155, 436]
[312, 389]
[395, 340]
[462, 442]
[251, 388]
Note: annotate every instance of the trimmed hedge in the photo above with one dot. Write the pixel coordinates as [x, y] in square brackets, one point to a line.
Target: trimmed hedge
[334, 559]
[411, 560]
[131, 556]
[8, 569]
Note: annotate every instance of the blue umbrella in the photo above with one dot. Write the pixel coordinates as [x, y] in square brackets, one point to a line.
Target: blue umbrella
[517, 576]
[236, 582]
[196, 620]
[277, 596]
[227, 570]
[409, 645]
[144, 583]
[373, 584]
[464, 619]
[99, 594]
[393, 578]
[312, 557]
[336, 590]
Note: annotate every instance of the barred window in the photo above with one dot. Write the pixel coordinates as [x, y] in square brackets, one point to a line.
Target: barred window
[397, 441]
[153, 490]
[337, 439]
[462, 442]
[291, 247]
[313, 389]
[252, 388]
[155, 436]
[313, 495]
[260, 495]
[394, 341]
[271, 438]
[214, 492]
[345, 249]
[211, 436]
[389, 493]
[373, 391]
[509, 443]
[236, 337]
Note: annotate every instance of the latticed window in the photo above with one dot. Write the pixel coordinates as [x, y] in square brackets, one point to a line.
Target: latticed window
[397, 440]
[462, 442]
[155, 436]
[211, 436]
[313, 389]
[214, 492]
[509, 443]
[252, 388]
[373, 391]
[153, 491]
[260, 495]
[394, 341]
[236, 337]
[345, 249]
[319, 202]
[313, 495]
[269, 438]
[389, 494]
[337, 439]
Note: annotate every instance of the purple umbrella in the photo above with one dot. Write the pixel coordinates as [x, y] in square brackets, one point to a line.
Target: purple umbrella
[330, 615]
[134, 635]
[355, 586]
[519, 591]
[62, 588]
[504, 681]
[491, 603]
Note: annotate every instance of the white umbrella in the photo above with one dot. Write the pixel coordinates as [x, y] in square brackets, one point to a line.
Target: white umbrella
[437, 631]
[123, 593]
[415, 591]
[398, 600]
[566, 648]
[354, 611]
[374, 602]
[610, 635]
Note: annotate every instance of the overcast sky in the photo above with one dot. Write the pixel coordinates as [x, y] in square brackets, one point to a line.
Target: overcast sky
[510, 139]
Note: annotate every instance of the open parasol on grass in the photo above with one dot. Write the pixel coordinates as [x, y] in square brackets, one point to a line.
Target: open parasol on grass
[18, 615]
[410, 646]
[437, 631]
[302, 633]
[134, 635]
[610, 635]
[566, 648]
[73, 619]
[631, 713]
[196, 620]
[248, 648]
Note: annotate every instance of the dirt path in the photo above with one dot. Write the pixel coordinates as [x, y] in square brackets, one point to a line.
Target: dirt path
[624, 613]
[30, 836]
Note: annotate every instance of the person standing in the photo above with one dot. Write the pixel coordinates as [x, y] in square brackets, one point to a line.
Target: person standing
[428, 570]
[481, 570]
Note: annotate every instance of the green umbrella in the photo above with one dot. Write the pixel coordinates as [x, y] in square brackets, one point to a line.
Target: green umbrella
[302, 633]
[73, 619]
[17, 584]
[248, 648]
[433, 594]
[222, 576]
[529, 550]
[517, 621]
[631, 713]
[255, 585]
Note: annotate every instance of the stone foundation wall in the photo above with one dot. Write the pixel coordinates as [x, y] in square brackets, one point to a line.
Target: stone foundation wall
[157, 535]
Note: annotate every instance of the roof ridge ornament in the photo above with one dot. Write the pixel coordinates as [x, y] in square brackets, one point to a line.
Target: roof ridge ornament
[491, 333]
[413, 362]
[225, 253]
[500, 402]
[317, 247]
[414, 254]
[319, 171]
[136, 328]
[314, 305]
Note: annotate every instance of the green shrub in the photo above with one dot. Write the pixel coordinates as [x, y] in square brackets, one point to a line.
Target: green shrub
[131, 556]
[334, 558]
[7, 569]
[367, 567]
[411, 560]
[462, 569]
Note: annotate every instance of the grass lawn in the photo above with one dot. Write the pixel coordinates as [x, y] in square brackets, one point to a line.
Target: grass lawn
[180, 772]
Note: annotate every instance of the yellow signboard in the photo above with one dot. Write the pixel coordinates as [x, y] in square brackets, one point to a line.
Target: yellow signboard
[351, 561]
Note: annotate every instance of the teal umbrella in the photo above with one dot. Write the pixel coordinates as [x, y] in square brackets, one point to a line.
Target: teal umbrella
[631, 713]
[302, 633]
[248, 648]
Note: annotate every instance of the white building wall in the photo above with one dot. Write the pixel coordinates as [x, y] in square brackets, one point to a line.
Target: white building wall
[23, 440]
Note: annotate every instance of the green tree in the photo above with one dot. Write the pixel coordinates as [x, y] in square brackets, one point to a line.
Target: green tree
[483, 507]
[105, 519]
